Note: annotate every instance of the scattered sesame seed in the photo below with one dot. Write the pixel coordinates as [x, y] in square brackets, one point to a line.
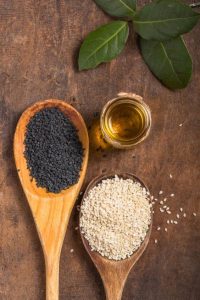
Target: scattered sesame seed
[172, 195]
[152, 197]
[161, 202]
[165, 229]
[161, 210]
[180, 125]
[158, 228]
[168, 221]
[184, 215]
[76, 228]
[172, 221]
[153, 202]
[175, 222]
[170, 175]
[165, 199]
[153, 211]
[71, 250]
[156, 199]
[194, 214]
[156, 241]
[165, 206]
[181, 209]
[161, 192]
[178, 216]
[169, 212]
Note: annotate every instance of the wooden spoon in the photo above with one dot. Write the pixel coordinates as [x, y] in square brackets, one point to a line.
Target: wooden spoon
[51, 212]
[114, 273]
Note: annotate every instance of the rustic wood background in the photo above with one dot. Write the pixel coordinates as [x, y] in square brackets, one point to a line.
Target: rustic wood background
[39, 42]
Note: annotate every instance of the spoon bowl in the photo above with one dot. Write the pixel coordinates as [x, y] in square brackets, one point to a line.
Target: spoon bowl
[114, 273]
[51, 212]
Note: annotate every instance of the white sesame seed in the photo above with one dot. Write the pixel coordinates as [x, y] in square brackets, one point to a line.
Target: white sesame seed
[175, 222]
[170, 175]
[172, 195]
[178, 216]
[156, 241]
[76, 228]
[158, 228]
[153, 202]
[156, 199]
[161, 202]
[161, 192]
[71, 250]
[180, 125]
[194, 214]
[165, 206]
[172, 221]
[165, 229]
[184, 215]
[169, 212]
[165, 199]
[153, 211]
[114, 211]
[168, 221]
[181, 209]
[152, 197]
[161, 210]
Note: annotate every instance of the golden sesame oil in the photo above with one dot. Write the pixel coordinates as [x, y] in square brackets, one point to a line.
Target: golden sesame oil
[125, 121]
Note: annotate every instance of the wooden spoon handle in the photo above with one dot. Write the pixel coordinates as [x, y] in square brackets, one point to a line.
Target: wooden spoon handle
[52, 280]
[114, 284]
[113, 294]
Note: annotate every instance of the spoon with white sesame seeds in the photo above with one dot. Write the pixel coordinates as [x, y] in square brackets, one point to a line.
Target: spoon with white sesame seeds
[114, 273]
[51, 211]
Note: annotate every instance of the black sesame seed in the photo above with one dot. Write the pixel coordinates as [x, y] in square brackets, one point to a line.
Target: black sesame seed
[53, 151]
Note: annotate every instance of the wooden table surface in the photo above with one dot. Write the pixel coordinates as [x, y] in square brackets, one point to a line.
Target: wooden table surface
[39, 42]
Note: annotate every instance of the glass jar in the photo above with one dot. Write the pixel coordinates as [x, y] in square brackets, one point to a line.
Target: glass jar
[125, 121]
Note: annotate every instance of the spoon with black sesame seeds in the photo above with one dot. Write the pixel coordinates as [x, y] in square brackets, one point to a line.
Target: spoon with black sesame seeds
[51, 154]
[115, 224]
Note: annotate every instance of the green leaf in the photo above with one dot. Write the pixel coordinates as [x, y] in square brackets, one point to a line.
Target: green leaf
[103, 44]
[118, 8]
[169, 61]
[164, 19]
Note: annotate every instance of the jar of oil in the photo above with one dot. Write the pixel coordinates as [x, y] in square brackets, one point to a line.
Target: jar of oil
[125, 121]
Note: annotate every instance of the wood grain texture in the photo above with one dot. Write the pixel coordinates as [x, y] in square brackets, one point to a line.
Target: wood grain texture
[39, 42]
[51, 212]
[115, 273]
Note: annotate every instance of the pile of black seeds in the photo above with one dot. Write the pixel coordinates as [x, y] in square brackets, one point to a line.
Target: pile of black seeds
[53, 151]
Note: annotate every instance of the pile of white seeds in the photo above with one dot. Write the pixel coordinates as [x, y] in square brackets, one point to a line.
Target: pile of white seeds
[115, 217]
